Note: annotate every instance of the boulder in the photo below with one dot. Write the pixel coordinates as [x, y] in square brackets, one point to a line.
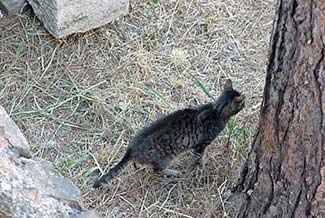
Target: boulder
[30, 187]
[10, 131]
[64, 17]
[13, 7]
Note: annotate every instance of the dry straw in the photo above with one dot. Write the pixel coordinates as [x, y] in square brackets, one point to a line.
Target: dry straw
[80, 99]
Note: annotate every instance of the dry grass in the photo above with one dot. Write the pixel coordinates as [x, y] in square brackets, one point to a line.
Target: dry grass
[79, 100]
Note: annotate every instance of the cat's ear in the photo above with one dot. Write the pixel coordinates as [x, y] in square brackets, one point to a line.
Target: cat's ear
[228, 85]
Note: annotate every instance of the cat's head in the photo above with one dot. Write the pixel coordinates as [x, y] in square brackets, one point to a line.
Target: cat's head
[230, 101]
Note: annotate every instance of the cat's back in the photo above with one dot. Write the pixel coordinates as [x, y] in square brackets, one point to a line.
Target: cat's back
[170, 121]
[166, 124]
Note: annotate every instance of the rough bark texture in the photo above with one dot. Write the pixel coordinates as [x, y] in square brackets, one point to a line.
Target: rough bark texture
[284, 173]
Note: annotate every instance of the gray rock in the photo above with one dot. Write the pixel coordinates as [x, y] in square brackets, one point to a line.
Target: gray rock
[89, 214]
[12, 7]
[30, 187]
[10, 131]
[64, 17]
[22, 192]
[51, 183]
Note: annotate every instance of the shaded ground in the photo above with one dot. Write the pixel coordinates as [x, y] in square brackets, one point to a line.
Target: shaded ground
[79, 100]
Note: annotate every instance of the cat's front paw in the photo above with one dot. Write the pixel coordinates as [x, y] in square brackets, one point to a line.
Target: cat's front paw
[200, 160]
[171, 173]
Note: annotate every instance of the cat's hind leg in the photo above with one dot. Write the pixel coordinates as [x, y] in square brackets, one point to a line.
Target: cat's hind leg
[161, 167]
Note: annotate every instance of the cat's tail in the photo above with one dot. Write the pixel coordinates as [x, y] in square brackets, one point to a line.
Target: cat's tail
[114, 171]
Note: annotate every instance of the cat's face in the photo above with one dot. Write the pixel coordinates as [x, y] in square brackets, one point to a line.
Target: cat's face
[232, 100]
[236, 105]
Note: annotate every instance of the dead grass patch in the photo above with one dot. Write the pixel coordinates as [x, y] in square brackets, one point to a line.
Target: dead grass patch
[80, 99]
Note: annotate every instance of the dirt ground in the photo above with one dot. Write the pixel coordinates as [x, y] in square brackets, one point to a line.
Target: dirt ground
[80, 99]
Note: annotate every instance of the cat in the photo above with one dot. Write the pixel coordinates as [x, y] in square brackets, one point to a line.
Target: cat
[191, 128]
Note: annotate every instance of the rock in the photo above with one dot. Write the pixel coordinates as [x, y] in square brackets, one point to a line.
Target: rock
[115, 212]
[30, 187]
[13, 7]
[89, 214]
[10, 131]
[53, 184]
[64, 17]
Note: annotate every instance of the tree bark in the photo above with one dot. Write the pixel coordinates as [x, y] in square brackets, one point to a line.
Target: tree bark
[284, 173]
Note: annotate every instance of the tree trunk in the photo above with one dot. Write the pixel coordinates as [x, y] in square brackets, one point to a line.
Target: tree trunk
[284, 173]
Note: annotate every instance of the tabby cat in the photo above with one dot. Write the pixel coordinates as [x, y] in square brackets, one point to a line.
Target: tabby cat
[191, 128]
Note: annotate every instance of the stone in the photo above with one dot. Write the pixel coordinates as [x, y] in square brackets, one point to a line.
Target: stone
[89, 214]
[51, 183]
[13, 7]
[22, 191]
[32, 193]
[64, 17]
[31, 187]
[10, 131]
